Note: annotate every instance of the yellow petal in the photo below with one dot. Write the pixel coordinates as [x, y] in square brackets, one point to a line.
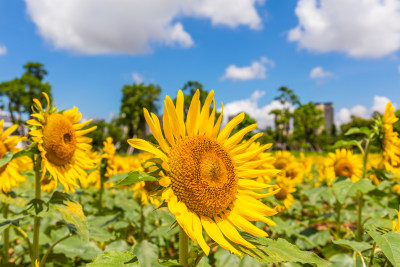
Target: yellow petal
[226, 131]
[193, 115]
[164, 181]
[244, 224]
[231, 233]
[146, 146]
[217, 126]
[236, 138]
[204, 114]
[213, 231]
[198, 232]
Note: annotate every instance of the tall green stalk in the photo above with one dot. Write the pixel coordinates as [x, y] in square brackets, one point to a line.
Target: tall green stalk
[183, 248]
[36, 220]
[141, 234]
[360, 196]
[6, 234]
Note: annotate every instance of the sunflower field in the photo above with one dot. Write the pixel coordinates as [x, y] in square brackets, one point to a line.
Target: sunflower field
[198, 193]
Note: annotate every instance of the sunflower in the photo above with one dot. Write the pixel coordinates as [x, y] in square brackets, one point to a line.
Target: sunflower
[283, 159]
[287, 187]
[391, 141]
[109, 154]
[61, 143]
[208, 180]
[345, 164]
[396, 225]
[10, 173]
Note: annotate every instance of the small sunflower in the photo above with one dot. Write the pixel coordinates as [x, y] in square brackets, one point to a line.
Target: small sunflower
[287, 187]
[109, 154]
[61, 143]
[209, 174]
[10, 173]
[345, 164]
[283, 159]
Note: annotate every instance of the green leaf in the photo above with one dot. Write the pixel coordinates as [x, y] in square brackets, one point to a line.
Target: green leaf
[134, 177]
[340, 189]
[274, 251]
[118, 177]
[225, 259]
[113, 259]
[72, 213]
[363, 130]
[388, 242]
[75, 247]
[59, 198]
[343, 143]
[30, 152]
[363, 185]
[37, 207]
[6, 158]
[4, 224]
[353, 245]
[340, 260]
[147, 254]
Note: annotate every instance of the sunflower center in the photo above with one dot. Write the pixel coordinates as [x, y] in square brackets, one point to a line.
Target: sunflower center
[343, 168]
[281, 195]
[202, 175]
[281, 164]
[59, 139]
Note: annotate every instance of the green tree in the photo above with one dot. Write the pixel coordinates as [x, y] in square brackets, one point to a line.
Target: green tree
[135, 97]
[104, 130]
[288, 99]
[20, 92]
[308, 122]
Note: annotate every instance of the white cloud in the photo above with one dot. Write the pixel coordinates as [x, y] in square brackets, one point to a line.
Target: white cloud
[137, 78]
[320, 73]
[3, 50]
[257, 70]
[131, 26]
[251, 107]
[379, 104]
[360, 28]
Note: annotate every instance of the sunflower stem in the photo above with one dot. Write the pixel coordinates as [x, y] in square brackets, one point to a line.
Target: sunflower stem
[338, 218]
[141, 235]
[371, 256]
[360, 197]
[43, 261]
[183, 248]
[36, 220]
[6, 234]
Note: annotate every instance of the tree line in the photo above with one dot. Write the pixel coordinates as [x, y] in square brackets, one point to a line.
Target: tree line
[297, 125]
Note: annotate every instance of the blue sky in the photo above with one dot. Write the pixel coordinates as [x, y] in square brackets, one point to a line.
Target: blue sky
[244, 54]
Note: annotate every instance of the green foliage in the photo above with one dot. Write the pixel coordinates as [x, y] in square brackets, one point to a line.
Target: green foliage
[308, 120]
[20, 92]
[114, 259]
[389, 242]
[135, 97]
[104, 130]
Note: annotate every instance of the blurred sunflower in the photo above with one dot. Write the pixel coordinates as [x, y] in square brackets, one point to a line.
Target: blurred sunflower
[391, 141]
[10, 173]
[109, 154]
[208, 175]
[396, 225]
[345, 164]
[283, 159]
[62, 144]
[287, 187]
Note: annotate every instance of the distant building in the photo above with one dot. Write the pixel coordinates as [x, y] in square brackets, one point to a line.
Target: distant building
[7, 119]
[327, 109]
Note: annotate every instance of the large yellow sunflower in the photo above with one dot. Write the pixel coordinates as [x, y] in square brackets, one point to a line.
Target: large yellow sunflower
[208, 180]
[345, 164]
[10, 173]
[62, 144]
